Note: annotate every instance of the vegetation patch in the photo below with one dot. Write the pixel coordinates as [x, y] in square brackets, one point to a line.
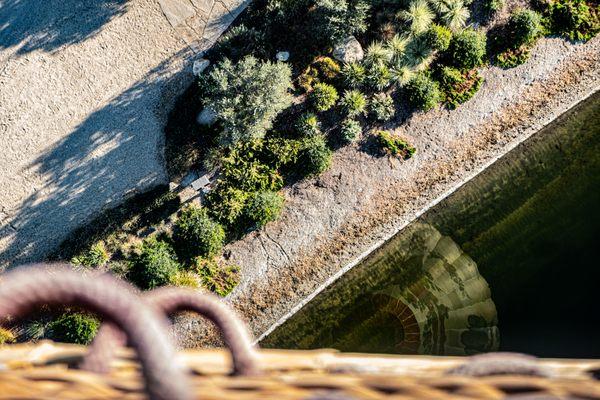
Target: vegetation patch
[457, 86]
[395, 145]
[76, 328]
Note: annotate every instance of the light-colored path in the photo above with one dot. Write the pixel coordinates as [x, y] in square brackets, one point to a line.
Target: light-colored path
[85, 87]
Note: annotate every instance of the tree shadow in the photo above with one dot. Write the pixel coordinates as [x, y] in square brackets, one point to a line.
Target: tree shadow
[46, 25]
[113, 155]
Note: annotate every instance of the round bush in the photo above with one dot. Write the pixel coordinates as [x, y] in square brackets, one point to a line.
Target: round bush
[308, 124]
[574, 19]
[467, 49]
[350, 130]
[423, 92]
[315, 156]
[196, 234]
[263, 208]
[438, 37]
[323, 96]
[525, 26]
[154, 266]
[382, 107]
[73, 328]
[379, 76]
[354, 103]
[354, 75]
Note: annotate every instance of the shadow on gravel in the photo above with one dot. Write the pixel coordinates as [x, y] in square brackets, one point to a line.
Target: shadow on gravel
[48, 24]
[109, 157]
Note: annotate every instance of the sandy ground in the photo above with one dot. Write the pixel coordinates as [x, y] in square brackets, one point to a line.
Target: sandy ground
[332, 221]
[84, 91]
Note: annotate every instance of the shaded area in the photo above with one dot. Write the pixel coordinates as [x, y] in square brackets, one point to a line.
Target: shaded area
[46, 25]
[112, 155]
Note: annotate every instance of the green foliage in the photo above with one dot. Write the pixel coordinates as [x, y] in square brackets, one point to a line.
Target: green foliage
[492, 7]
[396, 47]
[575, 19]
[525, 26]
[196, 234]
[419, 54]
[401, 75]
[438, 37]
[154, 265]
[281, 152]
[186, 279]
[308, 124]
[458, 87]
[334, 20]
[216, 276]
[95, 257]
[377, 53]
[423, 92]
[395, 145]
[513, 57]
[354, 103]
[350, 130]
[418, 16]
[323, 96]
[74, 328]
[354, 75]
[263, 207]
[238, 42]
[226, 204]
[379, 76]
[467, 49]
[247, 96]
[454, 14]
[322, 69]
[382, 107]
[6, 336]
[315, 156]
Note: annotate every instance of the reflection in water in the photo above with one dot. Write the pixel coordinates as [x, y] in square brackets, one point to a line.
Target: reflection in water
[531, 222]
[425, 296]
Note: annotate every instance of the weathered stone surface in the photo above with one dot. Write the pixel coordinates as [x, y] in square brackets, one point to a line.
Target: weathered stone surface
[207, 116]
[85, 88]
[349, 50]
[199, 66]
[282, 56]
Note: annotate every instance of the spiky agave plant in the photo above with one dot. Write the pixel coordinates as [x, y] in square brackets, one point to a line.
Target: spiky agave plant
[439, 6]
[418, 15]
[397, 47]
[401, 74]
[419, 54]
[377, 53]
[354, 75]
[455, 15]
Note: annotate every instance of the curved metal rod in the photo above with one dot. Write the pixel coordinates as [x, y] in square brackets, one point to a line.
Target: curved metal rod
[25, 289]
[170, 300]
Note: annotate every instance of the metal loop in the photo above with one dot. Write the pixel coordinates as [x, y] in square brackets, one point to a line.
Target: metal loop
[168, 301]
[25, 289]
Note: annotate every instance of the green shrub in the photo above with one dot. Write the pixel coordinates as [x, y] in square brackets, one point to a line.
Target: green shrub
[226, 204]
[379, 76]
[438, 37]
[196, 234]
[423, 92]
[458, 87]
[454, 14]
[418, 16]
[334, 20]
[419, 53]
[263, 207]
[323, 96]
[350, 130]
[574, 19]
[401, 75]
[74, 328]
[524, 26]
[395, 145]
[308, 124]
[377, 53]
[327, 67]
[238, 42]
[315, 156]
[467, 49]
[6, 336]
[354, 103]
[382, 107]
[281, 152]
[217, 277]
[354, 75]
[154, 265]
[513, 57]
[396, 46]
[95, 257]
[247, 96]
[186, 279]
[492, 7]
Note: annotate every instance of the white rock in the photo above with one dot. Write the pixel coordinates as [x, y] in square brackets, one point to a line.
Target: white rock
[208, 116]
[200, 65]
[349, 50]
[282, 56]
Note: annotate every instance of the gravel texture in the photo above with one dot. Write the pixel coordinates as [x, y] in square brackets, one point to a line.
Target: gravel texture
[84, 91]
[331, 222]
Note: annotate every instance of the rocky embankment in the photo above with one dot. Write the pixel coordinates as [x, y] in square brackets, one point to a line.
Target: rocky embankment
[333, 221]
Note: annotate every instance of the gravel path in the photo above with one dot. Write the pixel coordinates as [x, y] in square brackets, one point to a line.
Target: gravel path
[331, 221]
[84, 91]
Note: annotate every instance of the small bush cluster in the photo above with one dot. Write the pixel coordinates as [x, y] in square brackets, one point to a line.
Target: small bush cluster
[438, 37]
[457, 86]
[423, 92]
[395, 145]
[95, 257]
[321, 70]
[492, 7]
[381, 107]
[153, 265]
[315, 156]
[196, 234]
[525, 26]
[323, 96]
[512, 44]
[216, 276]
[350, 130]
[574, 19]
[334, 20]
[467, 49]
[74, 328]
[263, 207]
[308, 124]
[354, 103]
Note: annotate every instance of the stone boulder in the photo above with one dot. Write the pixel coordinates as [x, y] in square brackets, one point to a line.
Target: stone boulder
[349, 50]
[282, 56]
[199, 66]
[208, 116]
